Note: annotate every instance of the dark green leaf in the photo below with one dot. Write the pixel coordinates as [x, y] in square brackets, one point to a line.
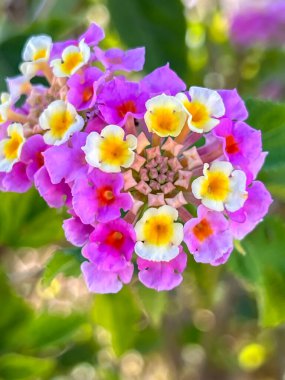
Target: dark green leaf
[159, 25]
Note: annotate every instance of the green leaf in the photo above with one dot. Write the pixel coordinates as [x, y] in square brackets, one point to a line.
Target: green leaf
[263, 269]
[154, 304]
[26, 220]
[14, 312]
[66, 261]
[119, 314]
[269, 117]
[159, 25]
[15, 366]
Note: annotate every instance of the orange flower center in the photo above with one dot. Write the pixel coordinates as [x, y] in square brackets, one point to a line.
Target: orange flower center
[87, 94]
[202, 230]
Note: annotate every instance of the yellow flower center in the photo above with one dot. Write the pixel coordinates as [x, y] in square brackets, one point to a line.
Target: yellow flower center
[71, 62]
[158, 230]
[114, 151]
[165, 121]
[199, 112]
[216, 186]
[11, 148]
[40, 54]
[60, 122]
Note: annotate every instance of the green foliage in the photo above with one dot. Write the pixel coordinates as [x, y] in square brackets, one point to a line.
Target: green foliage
[269, 117]
[159, 25]
[26, 221]
[16, 367]
[66, 261]
[119, 314]
[263, 269]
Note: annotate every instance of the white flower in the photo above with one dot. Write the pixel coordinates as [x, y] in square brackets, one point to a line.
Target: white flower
[203, 110]
[109, 151]
[158, 236]
[165, 115]
[36, 52]
[10, 148]
[73, 58]
[61, 120]
[5, 104]
[221, 187]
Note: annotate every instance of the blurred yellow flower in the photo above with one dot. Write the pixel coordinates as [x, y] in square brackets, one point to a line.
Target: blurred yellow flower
[252, 356]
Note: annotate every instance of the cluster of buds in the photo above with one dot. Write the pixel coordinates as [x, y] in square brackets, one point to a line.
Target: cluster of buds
[148, 171]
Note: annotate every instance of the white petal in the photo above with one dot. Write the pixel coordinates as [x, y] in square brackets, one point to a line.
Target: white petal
[222, 166]
[178, 234]
[213, 205]
[196, 187]
[168, 210]
[132, 141]
[210, 98]
[113, 130]
[154, 253]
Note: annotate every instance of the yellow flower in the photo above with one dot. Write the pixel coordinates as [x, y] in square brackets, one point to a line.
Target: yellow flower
[158, 236]
[252, 356]
[165, 116]
[109, 151]
[10, 148]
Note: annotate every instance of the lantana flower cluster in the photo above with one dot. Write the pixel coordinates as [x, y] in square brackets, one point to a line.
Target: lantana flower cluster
[150, 172]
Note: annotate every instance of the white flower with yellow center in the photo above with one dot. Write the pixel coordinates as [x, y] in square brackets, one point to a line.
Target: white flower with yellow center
[35, 55]
[5, 104]
[203, 110]
[221, 187]
[73, 58]
[158, 236]
[110, 150]
[165, 115]
[61, 120]
[10, 148]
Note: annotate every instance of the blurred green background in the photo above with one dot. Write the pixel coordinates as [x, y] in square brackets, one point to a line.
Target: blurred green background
[224, 323]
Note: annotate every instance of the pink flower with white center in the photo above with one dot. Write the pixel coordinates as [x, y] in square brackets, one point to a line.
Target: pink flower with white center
[111, 245]
[98, 197]
[162, 275]
[208, 237]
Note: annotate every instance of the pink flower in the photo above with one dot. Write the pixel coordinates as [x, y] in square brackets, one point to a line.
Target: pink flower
[67, 161]
[32, 154]
[255, 208]
[98, 197]
[162, 275]
[76, 232]
[16, 180]
[99, 281]
[111, 245]
[55, 195]
[242, 146]
[208, 237]
[120, 99]
[116, 59]
[83, 86]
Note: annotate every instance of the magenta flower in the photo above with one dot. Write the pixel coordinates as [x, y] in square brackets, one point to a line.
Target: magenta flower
[243, 221]
[111, 245]
[162, 80]
[32, 154]
[16, 180]
[55, 195]
[162, 275]
[76, 232]
[242, 146]
[99, 281]
[71, 157]
[120, 99]
[98, 197]
[234, 105]
[116, 59]
[208, 237]
[83, 88]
